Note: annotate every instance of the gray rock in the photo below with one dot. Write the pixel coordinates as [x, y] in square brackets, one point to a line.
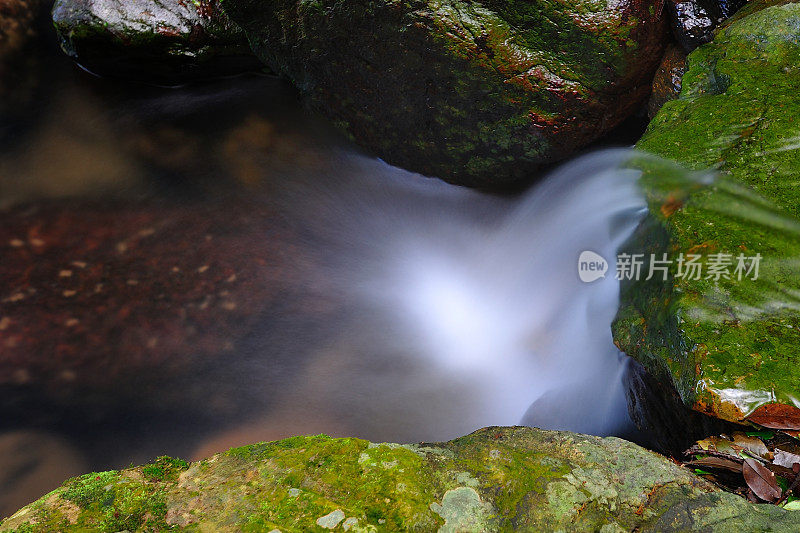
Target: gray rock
[158, 41]
[497, 479]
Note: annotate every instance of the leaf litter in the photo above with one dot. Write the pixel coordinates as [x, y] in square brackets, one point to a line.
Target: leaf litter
[762, 465]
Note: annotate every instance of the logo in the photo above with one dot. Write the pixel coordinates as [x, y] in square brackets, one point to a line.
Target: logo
[591, 266]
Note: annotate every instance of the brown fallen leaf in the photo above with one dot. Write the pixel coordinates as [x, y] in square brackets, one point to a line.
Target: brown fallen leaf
[717, 462]
[777, 416]
[785, 459]
[752, 444]
[760, 480]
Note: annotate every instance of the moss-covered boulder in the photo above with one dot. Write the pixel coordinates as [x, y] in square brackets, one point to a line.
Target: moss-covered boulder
[158, 41]
[729, 346]
[497, 479]
[478, 93]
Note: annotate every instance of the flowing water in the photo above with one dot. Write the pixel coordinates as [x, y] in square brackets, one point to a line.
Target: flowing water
[407, 309]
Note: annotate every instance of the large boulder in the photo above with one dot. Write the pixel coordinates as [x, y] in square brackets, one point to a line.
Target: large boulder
[152, 41]
[730, 347]
[497, 479]
[477, 93]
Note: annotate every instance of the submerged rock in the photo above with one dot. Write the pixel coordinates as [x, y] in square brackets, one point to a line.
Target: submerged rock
[729, 346]
[158, 41]
[119, 305]
[479, 94]
[497, 479]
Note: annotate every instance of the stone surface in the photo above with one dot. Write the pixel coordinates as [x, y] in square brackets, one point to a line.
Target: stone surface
[497, 479]
[158, 41]
[693, 21]
[729, 347]
[479, 94]
[667, 82]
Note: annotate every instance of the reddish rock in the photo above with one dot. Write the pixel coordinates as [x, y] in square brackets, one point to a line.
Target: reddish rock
[667, 82]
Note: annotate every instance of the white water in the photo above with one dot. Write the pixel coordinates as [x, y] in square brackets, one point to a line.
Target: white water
[466, 311]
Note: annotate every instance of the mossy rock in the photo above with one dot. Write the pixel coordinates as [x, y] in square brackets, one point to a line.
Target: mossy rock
[497, 479]
[730, 347]
[152, 41]
[477, 93]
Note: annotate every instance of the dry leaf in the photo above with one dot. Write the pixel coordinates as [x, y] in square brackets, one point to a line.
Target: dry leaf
[777, 416]
[717, 462]
[760, 480]
[672, 204]
[752, 444]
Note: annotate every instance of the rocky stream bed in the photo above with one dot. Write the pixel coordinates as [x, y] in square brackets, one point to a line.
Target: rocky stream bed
[483, 94]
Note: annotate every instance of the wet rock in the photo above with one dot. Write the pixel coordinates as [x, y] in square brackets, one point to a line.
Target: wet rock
[158, 41]
[728, 346]
[497, 479]
[477, 94]
[693, 21]
[667, 83]
[138, 305]
[668, 425]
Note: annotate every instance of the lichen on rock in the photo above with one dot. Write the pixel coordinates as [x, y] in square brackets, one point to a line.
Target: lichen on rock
[497, 479]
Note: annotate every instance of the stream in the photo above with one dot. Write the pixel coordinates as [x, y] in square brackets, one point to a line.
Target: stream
[383, 304]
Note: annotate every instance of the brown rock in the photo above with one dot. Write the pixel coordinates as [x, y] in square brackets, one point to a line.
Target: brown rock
[667, 82]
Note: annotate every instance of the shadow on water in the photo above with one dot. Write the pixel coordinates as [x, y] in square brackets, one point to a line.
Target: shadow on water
[362, 300]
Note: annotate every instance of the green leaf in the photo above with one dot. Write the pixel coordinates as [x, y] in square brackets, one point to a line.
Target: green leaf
[762, 434]
[793, 505]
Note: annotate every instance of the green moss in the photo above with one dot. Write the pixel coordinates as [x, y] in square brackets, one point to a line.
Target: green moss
[480, 93]
[497, 479]
[728, 346]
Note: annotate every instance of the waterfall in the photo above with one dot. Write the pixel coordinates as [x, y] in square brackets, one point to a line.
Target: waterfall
[465, 311]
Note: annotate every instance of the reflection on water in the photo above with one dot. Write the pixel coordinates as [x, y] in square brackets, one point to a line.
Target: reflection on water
[191, 270]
